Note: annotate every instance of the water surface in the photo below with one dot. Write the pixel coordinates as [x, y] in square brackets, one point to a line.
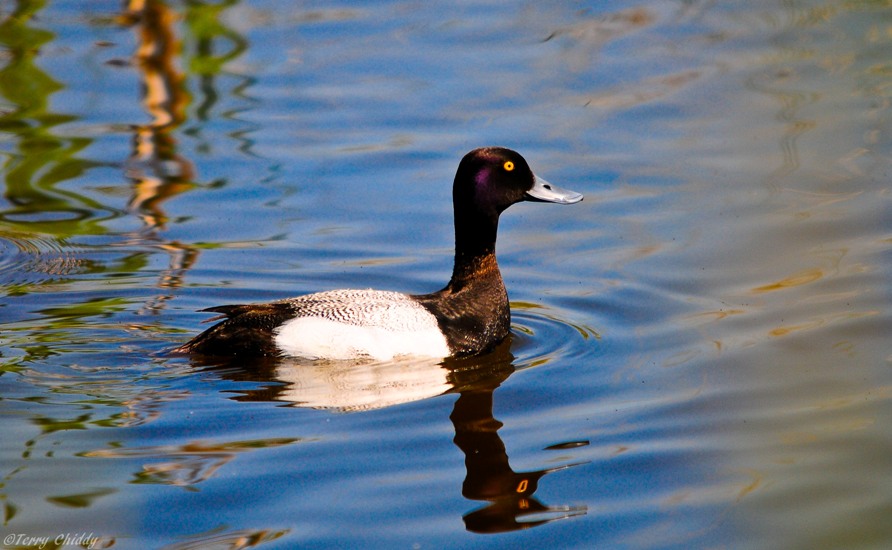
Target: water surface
[699, 354]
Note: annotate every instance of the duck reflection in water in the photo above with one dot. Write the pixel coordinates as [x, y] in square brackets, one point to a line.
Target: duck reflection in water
[350, 387]
[489, 475]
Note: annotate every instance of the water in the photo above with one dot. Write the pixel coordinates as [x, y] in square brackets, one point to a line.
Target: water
[699, 355]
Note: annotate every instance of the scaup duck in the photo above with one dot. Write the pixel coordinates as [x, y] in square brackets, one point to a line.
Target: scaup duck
[469, 316]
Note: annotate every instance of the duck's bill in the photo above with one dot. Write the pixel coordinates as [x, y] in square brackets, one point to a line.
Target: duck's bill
[547, 192]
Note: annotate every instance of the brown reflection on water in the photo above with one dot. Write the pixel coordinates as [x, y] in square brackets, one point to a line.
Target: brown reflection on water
[231, 540]
[797, 279]
[363, 386]
[156, 168]
[819, 322]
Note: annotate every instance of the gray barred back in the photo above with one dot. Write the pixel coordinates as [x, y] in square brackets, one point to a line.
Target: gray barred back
[393, 311]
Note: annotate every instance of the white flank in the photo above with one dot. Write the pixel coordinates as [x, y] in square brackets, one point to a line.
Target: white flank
[361, 323]
[318, 338]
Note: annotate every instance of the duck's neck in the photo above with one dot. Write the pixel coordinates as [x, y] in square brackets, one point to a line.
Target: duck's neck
[475, 249]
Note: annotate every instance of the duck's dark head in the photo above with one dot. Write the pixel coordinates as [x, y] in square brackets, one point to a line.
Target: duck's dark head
[491, 179]
[488, 181]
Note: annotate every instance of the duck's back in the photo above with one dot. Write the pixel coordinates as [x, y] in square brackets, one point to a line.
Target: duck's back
[387, 310]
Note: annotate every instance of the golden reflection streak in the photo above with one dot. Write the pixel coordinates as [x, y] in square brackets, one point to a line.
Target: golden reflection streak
[784, 330]
[230, 540]
[797, 279]
[758, 480]
[165, 100]
[157, 170]
[717, 315]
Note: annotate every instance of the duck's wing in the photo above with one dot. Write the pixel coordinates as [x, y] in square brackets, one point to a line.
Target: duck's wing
[244, 329]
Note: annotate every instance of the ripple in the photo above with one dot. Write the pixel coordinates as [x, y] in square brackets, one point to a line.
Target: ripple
[22, 257]
[541, 334]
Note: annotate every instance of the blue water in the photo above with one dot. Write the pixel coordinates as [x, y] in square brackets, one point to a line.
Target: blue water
[699, 355]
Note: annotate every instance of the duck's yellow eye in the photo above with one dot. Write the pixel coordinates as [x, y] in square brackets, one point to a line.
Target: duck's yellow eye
[508, 166]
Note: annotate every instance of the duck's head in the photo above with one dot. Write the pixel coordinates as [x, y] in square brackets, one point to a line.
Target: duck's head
[491, 179]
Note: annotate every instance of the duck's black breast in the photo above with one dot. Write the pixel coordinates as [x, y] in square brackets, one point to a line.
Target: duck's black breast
[472, 312]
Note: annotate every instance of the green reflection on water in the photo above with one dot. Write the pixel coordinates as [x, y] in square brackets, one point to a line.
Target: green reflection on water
[82, 500]
[55, 166]
[203, 22]
[57, 196]
[41, 159]
[38, 158]
[50, 425]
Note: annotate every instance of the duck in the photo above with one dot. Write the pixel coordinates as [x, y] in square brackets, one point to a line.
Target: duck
[468, 316]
